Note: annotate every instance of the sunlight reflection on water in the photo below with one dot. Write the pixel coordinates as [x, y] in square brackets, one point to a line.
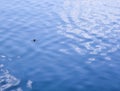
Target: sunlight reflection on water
[77, 45]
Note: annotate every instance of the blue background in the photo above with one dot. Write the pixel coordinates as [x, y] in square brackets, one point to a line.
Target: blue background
[77, 45]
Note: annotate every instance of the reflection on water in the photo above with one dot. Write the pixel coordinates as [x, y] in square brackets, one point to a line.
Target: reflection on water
[7, 81]
[55, 45]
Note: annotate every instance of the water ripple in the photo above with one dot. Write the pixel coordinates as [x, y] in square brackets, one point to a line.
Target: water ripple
[7, 81]
[76, 47]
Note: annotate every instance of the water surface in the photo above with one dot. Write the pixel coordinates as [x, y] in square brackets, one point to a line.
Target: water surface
[77, 45]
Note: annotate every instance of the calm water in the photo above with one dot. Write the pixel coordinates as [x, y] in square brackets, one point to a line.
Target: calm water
[77, 45]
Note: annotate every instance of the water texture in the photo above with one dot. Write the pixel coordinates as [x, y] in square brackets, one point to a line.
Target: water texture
[59, 45]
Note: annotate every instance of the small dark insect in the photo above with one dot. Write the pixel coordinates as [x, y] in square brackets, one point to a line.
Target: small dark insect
[34, 40]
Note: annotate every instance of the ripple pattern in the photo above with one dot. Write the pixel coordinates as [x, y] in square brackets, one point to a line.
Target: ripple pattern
[76, 47]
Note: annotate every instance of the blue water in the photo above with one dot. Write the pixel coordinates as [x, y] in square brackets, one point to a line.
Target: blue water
[76, 47]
